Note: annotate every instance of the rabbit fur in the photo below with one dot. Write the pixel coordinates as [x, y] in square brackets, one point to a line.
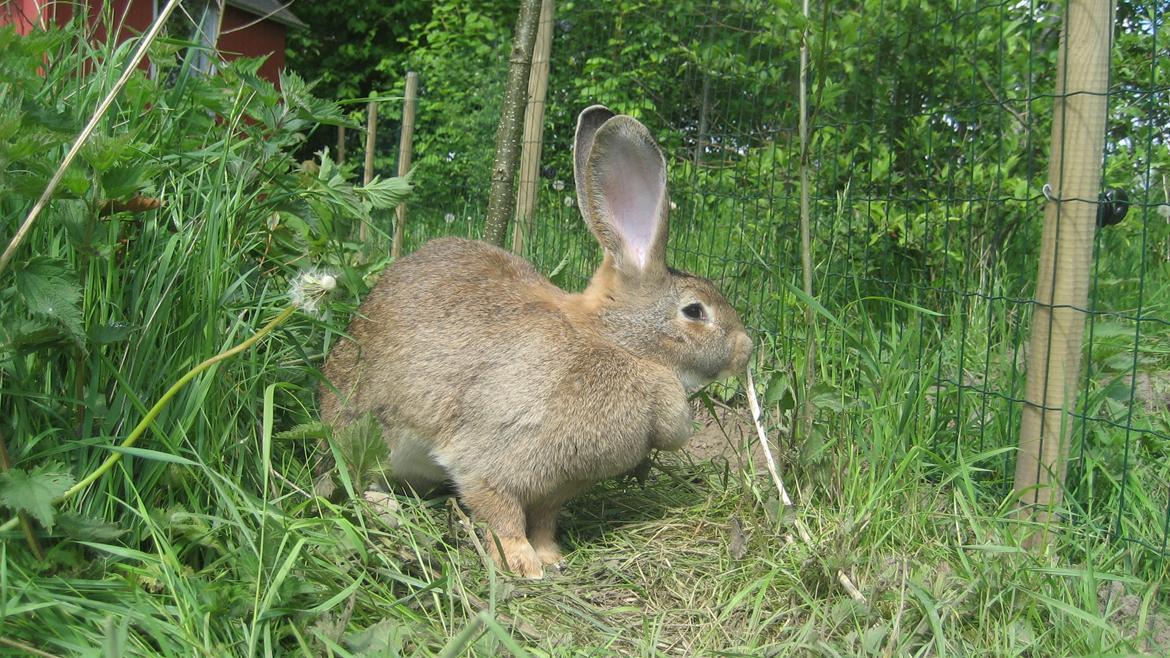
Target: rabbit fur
[487, 376]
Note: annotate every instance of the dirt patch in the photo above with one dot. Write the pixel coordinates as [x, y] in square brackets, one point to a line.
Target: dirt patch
[728, 435]
[1126, 610]
[1152, 390]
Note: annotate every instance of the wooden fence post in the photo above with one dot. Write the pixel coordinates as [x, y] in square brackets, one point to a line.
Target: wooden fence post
[533, 128]
[405, 150]
[368, 172]
[1062, 284]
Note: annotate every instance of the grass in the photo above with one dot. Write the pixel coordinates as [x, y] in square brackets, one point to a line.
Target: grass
[652, 571]
[207, 540]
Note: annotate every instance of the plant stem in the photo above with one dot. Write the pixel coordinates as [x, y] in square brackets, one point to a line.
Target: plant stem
[142, 426]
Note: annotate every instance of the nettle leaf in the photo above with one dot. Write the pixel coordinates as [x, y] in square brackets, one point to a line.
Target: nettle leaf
[385, 192]
[71, 214]
[34, 492]
[297, 95]
[102, 152]
[23, 335]
[124, 180]
[50, 290]
[363, 450]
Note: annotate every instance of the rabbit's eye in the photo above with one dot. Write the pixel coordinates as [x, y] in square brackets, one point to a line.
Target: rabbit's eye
[695, 312]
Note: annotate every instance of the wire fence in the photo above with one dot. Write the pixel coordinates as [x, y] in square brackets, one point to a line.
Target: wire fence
[929, 155]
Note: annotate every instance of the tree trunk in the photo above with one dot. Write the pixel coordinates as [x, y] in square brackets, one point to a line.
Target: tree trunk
[502, 202]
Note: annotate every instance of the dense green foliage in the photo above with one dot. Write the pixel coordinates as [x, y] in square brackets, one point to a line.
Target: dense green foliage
[346, 38]
[178, 232]
[174, 236]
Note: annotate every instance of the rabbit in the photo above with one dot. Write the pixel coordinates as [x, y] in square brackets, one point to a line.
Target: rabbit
[488, 377]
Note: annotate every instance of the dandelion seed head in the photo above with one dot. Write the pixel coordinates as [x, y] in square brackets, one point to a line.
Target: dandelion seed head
[1164, 211]
[449, 218]
[558, 185]
[568, 202]
[311, 288]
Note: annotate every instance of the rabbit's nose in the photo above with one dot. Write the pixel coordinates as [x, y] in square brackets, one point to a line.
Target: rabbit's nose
[743, 349]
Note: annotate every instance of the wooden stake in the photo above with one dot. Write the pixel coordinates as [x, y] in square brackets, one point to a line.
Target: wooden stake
[340, 145]
[502, 201]
[1062, 285]
[405, 150]
[368, 172]
[533, 128]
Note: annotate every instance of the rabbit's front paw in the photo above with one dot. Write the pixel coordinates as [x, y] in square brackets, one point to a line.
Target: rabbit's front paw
[520, 558]
[548, 553]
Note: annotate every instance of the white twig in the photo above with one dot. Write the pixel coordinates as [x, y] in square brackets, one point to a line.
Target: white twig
[754, 403]
[131, 66]
[801, 528]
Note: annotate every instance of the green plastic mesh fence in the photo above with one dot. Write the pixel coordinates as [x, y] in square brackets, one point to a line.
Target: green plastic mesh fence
[930, 137]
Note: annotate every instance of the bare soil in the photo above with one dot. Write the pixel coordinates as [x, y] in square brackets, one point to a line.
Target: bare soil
[728, 435]
[1125, 609]
[1153, 391]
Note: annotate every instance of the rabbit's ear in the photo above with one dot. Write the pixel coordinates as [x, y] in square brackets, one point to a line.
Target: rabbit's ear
[588, 122]
[625, 202]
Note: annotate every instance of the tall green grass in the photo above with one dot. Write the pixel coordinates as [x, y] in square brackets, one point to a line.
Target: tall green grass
[104, 309]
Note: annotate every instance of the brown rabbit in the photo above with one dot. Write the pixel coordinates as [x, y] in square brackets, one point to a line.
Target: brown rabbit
[488, 376]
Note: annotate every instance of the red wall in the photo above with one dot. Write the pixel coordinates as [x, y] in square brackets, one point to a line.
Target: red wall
[263, 38]
[258, 39]
[20, 13]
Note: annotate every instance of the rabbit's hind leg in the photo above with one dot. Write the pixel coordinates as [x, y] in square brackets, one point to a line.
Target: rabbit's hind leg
[504, 518]
[542, 530]
[412, 460]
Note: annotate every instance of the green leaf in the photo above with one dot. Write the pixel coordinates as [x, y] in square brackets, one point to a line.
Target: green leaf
[363, 450]
[104, 334]
[123, 180]
[104, 151]
[27, 335]
[50, 290]
[79, 527]
[34, 492]
[155, 455]
[116, 632]
[311, 430]
[779, 391]
[385, 193]
[384, 638]
[905, 305]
